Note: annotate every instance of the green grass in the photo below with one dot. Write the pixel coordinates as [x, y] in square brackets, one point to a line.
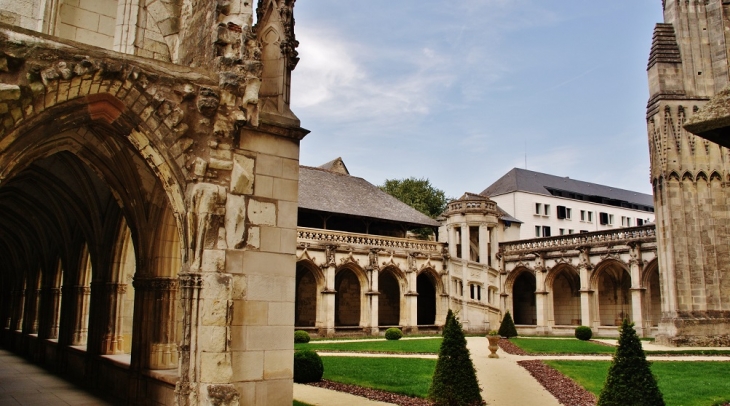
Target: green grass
[681, 382]
[563, 346]
[407, 376]
[298, 403]
[427, 346]
[689, 352]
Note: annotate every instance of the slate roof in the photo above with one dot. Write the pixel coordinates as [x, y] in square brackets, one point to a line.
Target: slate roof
[323, 190]
[522, 180]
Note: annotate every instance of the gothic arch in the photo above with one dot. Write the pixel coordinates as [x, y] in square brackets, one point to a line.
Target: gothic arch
[310, 281]
[351, 283]
[563, 286]
[653, 295]
[391, 301]
[428, 287]
[611, 280]
[521, 286]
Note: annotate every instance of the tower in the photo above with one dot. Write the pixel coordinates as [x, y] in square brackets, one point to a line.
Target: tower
[688, 65]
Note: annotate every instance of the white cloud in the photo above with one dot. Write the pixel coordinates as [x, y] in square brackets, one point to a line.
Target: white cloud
[333, 80]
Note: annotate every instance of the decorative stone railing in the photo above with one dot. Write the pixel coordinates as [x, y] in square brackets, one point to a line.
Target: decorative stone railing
[472, 206]
[341, 237]
[621, 236]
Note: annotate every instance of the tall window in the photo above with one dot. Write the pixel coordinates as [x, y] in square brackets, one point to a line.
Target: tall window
[538, 208]
[537, 231]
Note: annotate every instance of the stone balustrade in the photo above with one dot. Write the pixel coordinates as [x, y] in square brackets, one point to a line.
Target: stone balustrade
[620, 236]
[340, 237]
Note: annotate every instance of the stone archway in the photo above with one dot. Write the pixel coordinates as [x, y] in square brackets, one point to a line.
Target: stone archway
[426, 288]
[305, 307]
[565, 291]
[389, 300]
[653, 295]
[348, 298]
[614, 294]
[523, 299]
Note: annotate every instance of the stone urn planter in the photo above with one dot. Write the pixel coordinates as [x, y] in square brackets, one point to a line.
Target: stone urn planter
[493, 345]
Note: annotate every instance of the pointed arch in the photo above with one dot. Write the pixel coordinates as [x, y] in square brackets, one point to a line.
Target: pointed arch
[310, 281]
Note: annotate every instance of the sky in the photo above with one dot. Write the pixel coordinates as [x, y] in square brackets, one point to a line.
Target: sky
[461, 92]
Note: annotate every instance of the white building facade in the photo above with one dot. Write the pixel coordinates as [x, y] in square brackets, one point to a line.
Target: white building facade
[552, 206]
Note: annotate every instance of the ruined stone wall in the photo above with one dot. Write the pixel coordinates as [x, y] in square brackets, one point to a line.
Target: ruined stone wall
[688, 65]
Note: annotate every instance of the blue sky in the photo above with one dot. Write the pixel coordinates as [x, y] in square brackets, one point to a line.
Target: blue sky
[458, 91]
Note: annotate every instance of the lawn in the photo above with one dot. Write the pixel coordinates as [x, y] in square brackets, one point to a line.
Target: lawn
[298, 403]
[560, 346]
[681, 382]
[407, 376]
[426, 346]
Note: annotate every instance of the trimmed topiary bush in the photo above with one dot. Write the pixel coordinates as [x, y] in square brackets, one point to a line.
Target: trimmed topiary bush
[629, 380]
[308, 367]
[507, 328]
[393, 333]
[455, 379]
[301, 336]
[583, 333]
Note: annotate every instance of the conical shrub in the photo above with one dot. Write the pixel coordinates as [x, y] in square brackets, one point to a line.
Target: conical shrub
[630, 381]
[455, 379]
[507, 328]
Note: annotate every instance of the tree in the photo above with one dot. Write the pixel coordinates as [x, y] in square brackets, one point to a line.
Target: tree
[454, 380]
[630, 381]
[417, 193]
[507, 328]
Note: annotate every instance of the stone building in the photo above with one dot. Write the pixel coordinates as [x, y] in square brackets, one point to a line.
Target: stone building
[688, 66]
[360, 270]
[148, 196]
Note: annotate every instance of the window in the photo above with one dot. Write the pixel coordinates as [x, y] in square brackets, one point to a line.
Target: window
[475, 292]
[547, 209]
[590, 216]
[610, 219]
[571, 231]
[583, 231]
[562, 231]
[545, 231]
[537, 231]
[568, 213]
[582, 215]
[605, 219]
[561, 212]
[538, 208]
[628, 221]
[639, 222]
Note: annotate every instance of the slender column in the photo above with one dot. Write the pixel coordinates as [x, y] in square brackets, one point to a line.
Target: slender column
[465, 242]
[372, 298]
[16, 321]
[483, 244]
[190, 285]
[452, 240]
[81, 315]
[163, 349]
[637, 290]
[113, 341]
[30, 321]
[54, 313]
[329, 293]
[541, 299]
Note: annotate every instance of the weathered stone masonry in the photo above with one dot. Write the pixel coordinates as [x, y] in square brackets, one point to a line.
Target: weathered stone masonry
[155, 203]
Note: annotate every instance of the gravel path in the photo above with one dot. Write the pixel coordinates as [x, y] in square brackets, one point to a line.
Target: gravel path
[563, 388]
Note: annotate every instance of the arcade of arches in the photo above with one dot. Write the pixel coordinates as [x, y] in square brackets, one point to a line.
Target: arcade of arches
[549, 294]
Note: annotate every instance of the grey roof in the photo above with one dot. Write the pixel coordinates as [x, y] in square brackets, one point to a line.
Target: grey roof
[336, 165]
[332, 192]
[522, 180]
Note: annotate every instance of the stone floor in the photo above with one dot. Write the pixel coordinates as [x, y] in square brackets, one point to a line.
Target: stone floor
[22, 383]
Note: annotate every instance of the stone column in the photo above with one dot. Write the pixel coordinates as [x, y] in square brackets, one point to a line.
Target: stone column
[465, 242]
[541, 300]
[483, 244]
[636, 267]
[16, 320]
[452, 240]
[163, 349]
[30, 322]
[372, 298]
[113, 340]
[54, 313]
[329, 293]
[80, 329]
[586, 293]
